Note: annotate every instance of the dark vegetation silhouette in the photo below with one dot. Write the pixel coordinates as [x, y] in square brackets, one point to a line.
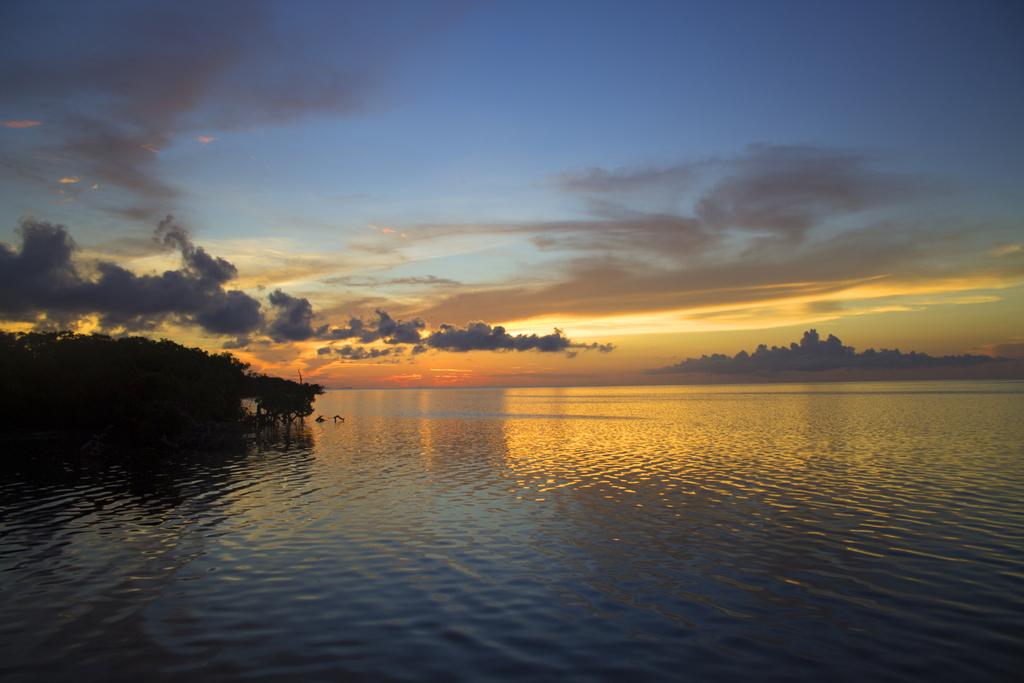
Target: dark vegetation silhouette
[138, 391]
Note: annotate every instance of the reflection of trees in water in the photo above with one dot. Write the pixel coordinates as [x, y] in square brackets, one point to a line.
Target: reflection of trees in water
[157, 482]
[284, 437]
[108, 536]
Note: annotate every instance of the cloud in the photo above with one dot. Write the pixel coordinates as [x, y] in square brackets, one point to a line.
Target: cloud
[41, 283]
[21, 123]
[293, 318]
[789, 189]
[237, 343]
[1006, 250]
[361, 353]
[597, 180]
[773, 188]
[126, 79]
[1007, 350]
[396, 331]
[694, 208]
[69, 180]
[411, 281]
[812, 354]
[610, 228]
[355, 329]
[120, 156]
[384, 328]
[479, 336]
[883, 260]
[475, 336]
[616, 229]
[595, 346]
[211, 268]
[206, 139]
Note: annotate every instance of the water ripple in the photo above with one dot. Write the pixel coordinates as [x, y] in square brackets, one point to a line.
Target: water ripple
[844, 532]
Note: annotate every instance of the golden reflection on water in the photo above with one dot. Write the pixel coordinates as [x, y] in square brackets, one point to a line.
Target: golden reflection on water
[863, 464]
[535, 531]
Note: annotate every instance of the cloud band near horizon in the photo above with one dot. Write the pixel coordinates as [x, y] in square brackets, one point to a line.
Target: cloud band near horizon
[42, 284]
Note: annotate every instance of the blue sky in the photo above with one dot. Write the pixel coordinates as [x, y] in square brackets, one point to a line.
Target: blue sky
[338, 128]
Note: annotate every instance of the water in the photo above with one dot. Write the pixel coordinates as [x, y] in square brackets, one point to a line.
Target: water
[839, 532]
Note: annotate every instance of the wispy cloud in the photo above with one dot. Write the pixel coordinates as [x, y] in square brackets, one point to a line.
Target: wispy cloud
[772, 192]
[597, 180]
[128, 80]
[21, 123]
[775, 226]
[408, 281]
[789, 189]
[881, 261]
[1006, 250]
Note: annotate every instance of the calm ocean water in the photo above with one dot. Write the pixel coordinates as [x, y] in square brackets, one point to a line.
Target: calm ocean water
[820, 532]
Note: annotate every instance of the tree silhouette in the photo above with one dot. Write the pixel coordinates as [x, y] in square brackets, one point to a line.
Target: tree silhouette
[136, 389]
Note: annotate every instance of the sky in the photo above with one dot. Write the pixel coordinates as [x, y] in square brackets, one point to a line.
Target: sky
[510, 193]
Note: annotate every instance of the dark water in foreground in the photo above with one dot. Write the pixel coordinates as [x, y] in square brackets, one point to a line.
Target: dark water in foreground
[835, 532]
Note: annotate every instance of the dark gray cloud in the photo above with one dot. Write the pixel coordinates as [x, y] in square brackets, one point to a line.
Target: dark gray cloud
[382, 327]
[211, 268]
[354, 329]
[237, 343]
[42, 279]
[479, 336]
[812, 354]
[348, 352]
[397, 331]
[231, 312]
[475, 336]
[595, 346]
[293, 317]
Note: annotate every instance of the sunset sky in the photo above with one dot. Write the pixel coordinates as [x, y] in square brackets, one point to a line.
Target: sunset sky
[655, 180]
